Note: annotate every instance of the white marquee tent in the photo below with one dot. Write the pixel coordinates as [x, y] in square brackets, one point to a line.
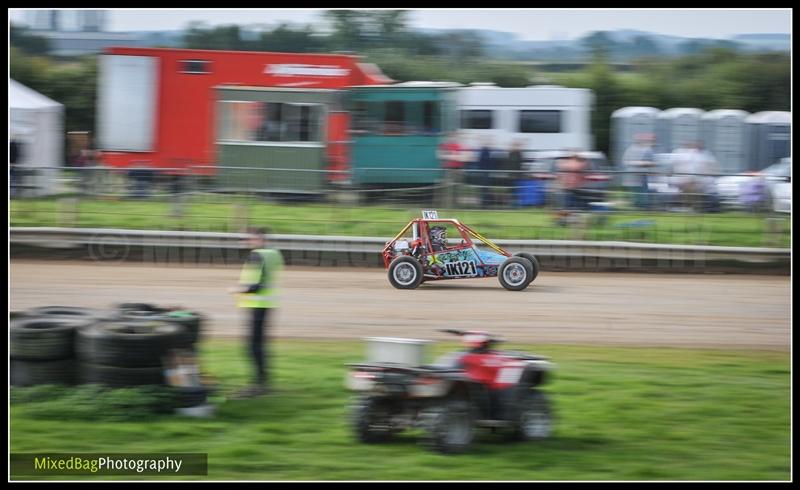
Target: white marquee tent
[37, 123]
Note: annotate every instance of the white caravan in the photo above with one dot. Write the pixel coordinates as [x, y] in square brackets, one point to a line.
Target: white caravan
[541, 118]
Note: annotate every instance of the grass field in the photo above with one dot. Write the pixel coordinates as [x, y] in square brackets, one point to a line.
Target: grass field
[622, 414]
[203, 214]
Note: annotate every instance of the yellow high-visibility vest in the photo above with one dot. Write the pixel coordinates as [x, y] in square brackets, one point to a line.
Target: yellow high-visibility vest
[266, 273]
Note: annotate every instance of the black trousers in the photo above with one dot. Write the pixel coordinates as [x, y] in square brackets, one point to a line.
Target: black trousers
[259, 324]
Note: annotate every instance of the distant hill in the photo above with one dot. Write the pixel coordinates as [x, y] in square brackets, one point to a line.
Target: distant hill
[625, 44]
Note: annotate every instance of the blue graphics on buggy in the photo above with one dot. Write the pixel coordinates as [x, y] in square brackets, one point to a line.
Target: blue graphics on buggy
[491, 258]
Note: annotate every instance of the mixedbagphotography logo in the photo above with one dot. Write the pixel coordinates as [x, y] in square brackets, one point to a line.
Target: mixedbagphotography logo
[54, 464]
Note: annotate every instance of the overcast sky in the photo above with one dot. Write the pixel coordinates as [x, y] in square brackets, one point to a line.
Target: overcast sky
[528, 24]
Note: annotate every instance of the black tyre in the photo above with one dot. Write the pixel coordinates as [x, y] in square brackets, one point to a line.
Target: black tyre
[449, 426]
[130, 344]
[31, 373]
[533, 420]
[16, 315]
[371, 419]
[86, 315]
[118, 377]
[515, 273]
[146, 307]
[405, 272]
[43, 339]
[192, 321]
[534, 263]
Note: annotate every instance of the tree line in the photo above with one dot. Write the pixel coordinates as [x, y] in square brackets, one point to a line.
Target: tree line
[716, 77]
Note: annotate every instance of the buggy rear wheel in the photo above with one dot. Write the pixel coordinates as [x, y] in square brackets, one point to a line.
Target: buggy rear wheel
[532, 259]
[515, 273]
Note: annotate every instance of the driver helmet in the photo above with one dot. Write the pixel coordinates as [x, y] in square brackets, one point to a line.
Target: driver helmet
[439, 234]
[476, 339]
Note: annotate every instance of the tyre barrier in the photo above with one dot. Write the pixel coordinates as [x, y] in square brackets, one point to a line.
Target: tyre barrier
[86, 315]
[119, 377]
[15, 315]
[131, 344]
[42, 348]
[30, 373]
[125, 346]
[43, 339]
[191, 320]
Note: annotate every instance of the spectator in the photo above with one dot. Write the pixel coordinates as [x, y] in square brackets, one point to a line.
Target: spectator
[709, 170]
[572, 179]
[689, 166]
[485, 165]
[755, 194]
[451, 158]
[514, 166]
[638, 162]
[15, 153]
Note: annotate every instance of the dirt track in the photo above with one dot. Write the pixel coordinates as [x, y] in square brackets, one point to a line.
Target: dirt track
[581, 308]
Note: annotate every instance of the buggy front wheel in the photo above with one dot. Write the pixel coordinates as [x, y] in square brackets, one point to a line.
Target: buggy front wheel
[405, 272]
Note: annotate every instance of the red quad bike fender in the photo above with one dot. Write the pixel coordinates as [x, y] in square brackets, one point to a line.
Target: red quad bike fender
[493, 370]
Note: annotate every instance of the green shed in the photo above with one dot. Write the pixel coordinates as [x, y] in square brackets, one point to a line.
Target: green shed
[273, 139]
[396, 131]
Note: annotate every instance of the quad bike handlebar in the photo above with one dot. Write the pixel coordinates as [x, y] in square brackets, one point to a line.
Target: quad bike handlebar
[492, 338]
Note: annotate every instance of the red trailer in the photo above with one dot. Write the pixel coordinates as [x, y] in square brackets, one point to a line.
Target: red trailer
[156, 106]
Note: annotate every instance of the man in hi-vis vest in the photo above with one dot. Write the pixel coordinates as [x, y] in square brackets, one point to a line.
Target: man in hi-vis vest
[257, 291]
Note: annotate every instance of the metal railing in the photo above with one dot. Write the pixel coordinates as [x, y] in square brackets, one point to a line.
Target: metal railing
[512, 204]
[183, 248]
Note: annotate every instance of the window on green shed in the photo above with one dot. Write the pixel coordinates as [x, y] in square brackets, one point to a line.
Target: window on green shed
[431, 119]
[394, 120]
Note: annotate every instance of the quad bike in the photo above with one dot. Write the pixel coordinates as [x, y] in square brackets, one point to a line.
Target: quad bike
[478, 387]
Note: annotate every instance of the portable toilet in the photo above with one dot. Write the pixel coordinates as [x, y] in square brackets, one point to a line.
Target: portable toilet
[723, 134]
[626, 123]
[677, 127]
[769, 135]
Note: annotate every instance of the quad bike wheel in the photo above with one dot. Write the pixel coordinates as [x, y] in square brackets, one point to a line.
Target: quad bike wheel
[449, 426]
[371, 419]
[534, 420]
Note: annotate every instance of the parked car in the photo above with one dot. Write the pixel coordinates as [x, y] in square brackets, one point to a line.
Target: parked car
[767, 188]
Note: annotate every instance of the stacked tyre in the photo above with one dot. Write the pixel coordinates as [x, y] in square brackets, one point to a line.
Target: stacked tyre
[190, 320]
[42, 344]
[128, 352]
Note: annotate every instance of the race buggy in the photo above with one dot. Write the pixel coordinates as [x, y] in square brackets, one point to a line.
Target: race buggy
[478, 387]
[421, 252]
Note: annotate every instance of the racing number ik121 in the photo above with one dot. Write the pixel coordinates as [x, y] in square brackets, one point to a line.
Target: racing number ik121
[462, 268]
